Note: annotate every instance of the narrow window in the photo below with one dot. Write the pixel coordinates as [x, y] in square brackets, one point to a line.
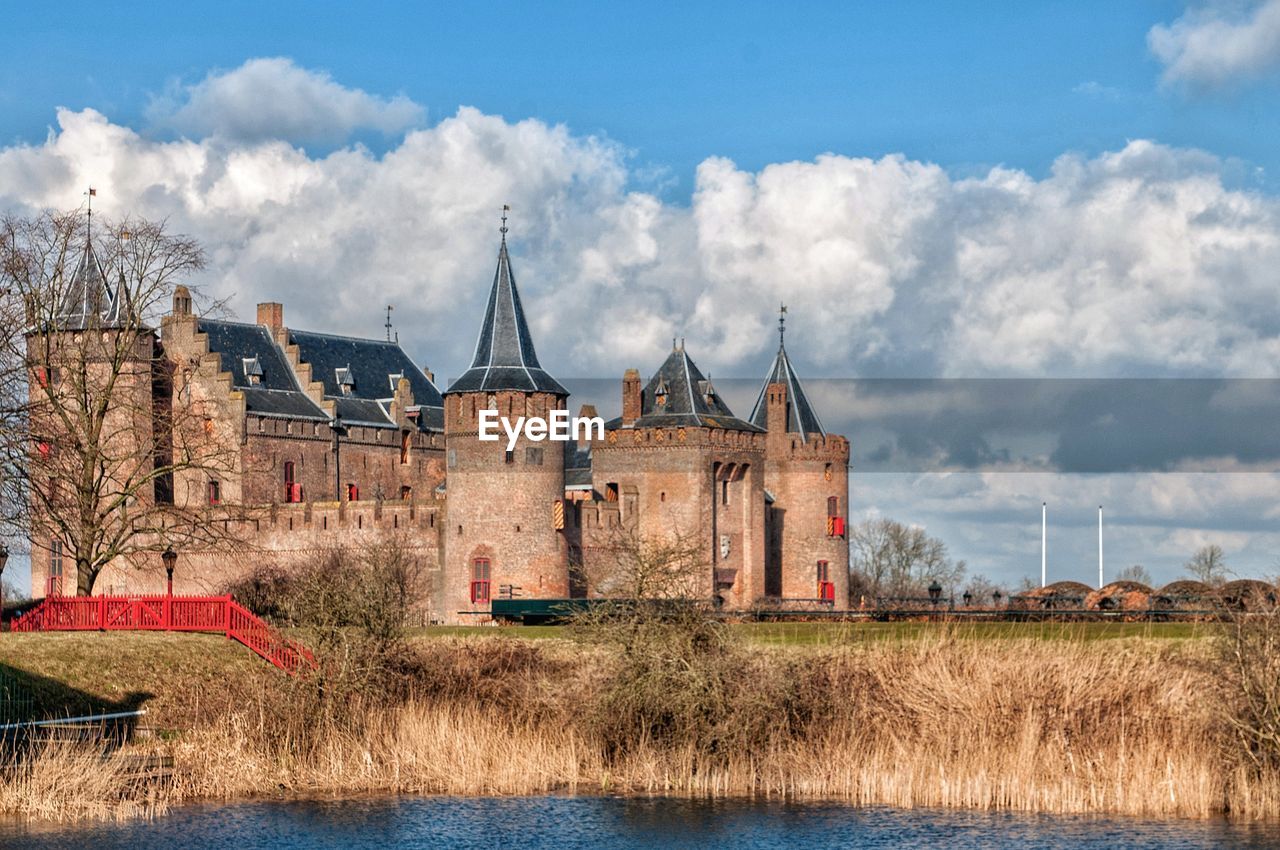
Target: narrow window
[215, 493]
[404, 447]
[292, 490]
[611, 491]
[353, 493]
[511, 456]
[826, 590]
[480, 580]
[833, 506]
[406, 492]
[724, 492]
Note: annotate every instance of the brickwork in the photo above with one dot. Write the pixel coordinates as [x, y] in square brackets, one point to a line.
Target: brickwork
[500, 505]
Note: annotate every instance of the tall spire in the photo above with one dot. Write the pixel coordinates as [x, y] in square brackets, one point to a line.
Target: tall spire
[802, 419]
[504, 358]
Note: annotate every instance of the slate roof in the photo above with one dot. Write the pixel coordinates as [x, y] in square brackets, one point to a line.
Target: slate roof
[243, 349]
[372, 366]
[802, 419]
[89, 299]
[689, 399]
[504, 358]
[577, 465]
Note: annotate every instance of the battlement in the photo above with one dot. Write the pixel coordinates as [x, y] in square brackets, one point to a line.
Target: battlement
[831, 447]
[599, 514]
[689, 435]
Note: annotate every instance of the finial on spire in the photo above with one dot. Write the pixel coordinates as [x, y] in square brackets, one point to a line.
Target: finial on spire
[506, 208]
[91, 194]
[782, 323]
[388, 324]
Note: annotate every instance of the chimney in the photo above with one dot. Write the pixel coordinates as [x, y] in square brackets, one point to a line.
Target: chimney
[431, 376]
[631, 397]
[776, 408]
[271, 314]
[181, 301]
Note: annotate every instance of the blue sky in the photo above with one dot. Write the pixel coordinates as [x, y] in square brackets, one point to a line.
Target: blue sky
[937, 190]
[958, 83]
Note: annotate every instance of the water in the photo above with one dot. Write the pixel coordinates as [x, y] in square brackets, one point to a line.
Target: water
[543, 823]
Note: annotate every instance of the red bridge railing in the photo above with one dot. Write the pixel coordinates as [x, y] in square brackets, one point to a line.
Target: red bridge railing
[167, 613]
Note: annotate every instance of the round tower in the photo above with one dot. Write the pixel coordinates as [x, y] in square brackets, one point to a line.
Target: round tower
[500, 537]
[807, 473]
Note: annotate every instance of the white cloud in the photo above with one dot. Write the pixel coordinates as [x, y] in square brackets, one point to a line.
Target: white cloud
[1218, 43]
[1140, 261]
[275, 99]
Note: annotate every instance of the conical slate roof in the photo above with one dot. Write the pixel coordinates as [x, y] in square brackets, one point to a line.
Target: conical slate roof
[679, 395]
[504, 358]
[88, 299]
[802, 419]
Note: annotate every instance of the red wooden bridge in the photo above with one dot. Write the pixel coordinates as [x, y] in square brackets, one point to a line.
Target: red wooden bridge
[167, 613]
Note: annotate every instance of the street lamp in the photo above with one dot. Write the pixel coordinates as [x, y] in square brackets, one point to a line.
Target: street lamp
[997, 596]
[170, 558]
[968, 599]
[935, 592]
[4, 559]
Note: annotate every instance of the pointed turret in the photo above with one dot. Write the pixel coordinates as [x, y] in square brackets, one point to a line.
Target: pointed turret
[88, 299]
[678, 395]
[504, 358]
[801, 418]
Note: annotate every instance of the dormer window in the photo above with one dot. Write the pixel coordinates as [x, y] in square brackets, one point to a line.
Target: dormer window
[346, 380]
[394, 379]
[708, 391]
[252, 370]
[660, 393]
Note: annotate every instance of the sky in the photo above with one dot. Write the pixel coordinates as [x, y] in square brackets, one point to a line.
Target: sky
[954, 191]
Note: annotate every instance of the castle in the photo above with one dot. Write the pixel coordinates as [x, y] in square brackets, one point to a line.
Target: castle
[339, 441]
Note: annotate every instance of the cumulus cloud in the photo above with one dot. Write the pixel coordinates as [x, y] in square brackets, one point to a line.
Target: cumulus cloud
[275, 99]
[1138, 262]
[1141, 261]
[1219, 43]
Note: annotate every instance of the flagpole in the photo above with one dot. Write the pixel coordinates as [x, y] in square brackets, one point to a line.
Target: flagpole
[1101, 580]
[1044, 519]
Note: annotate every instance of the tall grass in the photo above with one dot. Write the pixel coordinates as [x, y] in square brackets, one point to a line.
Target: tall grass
[1124, 727]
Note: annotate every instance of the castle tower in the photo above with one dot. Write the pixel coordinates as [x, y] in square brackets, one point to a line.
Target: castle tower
[500, 530]
[681, 466]
[807, 473]
[85, 342]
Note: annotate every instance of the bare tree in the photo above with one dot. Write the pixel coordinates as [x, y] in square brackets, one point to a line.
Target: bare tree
[889, 558]
[1208, 565]
[1137, 573]
[94, 444]
[637, 566]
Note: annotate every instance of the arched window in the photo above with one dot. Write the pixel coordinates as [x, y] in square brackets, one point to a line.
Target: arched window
[479, 580]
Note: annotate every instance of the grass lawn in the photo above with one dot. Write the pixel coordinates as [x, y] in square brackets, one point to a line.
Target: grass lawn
[801, 634]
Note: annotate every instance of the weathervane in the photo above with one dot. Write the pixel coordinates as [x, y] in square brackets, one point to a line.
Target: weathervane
[91, 194]
[503, 230]
[782, 322]
[388, 324]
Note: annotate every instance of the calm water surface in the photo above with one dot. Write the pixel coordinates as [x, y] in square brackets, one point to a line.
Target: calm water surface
[543, 823]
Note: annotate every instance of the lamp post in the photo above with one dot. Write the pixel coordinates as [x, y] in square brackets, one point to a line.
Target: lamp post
[968, 599]
[169, 557]
[935, 594]
[4, 559]
[996, 597]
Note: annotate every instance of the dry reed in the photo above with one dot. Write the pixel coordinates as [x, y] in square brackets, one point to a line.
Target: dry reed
[1127, 727]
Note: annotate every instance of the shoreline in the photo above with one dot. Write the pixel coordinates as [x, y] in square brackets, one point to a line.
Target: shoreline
[1019, 725]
